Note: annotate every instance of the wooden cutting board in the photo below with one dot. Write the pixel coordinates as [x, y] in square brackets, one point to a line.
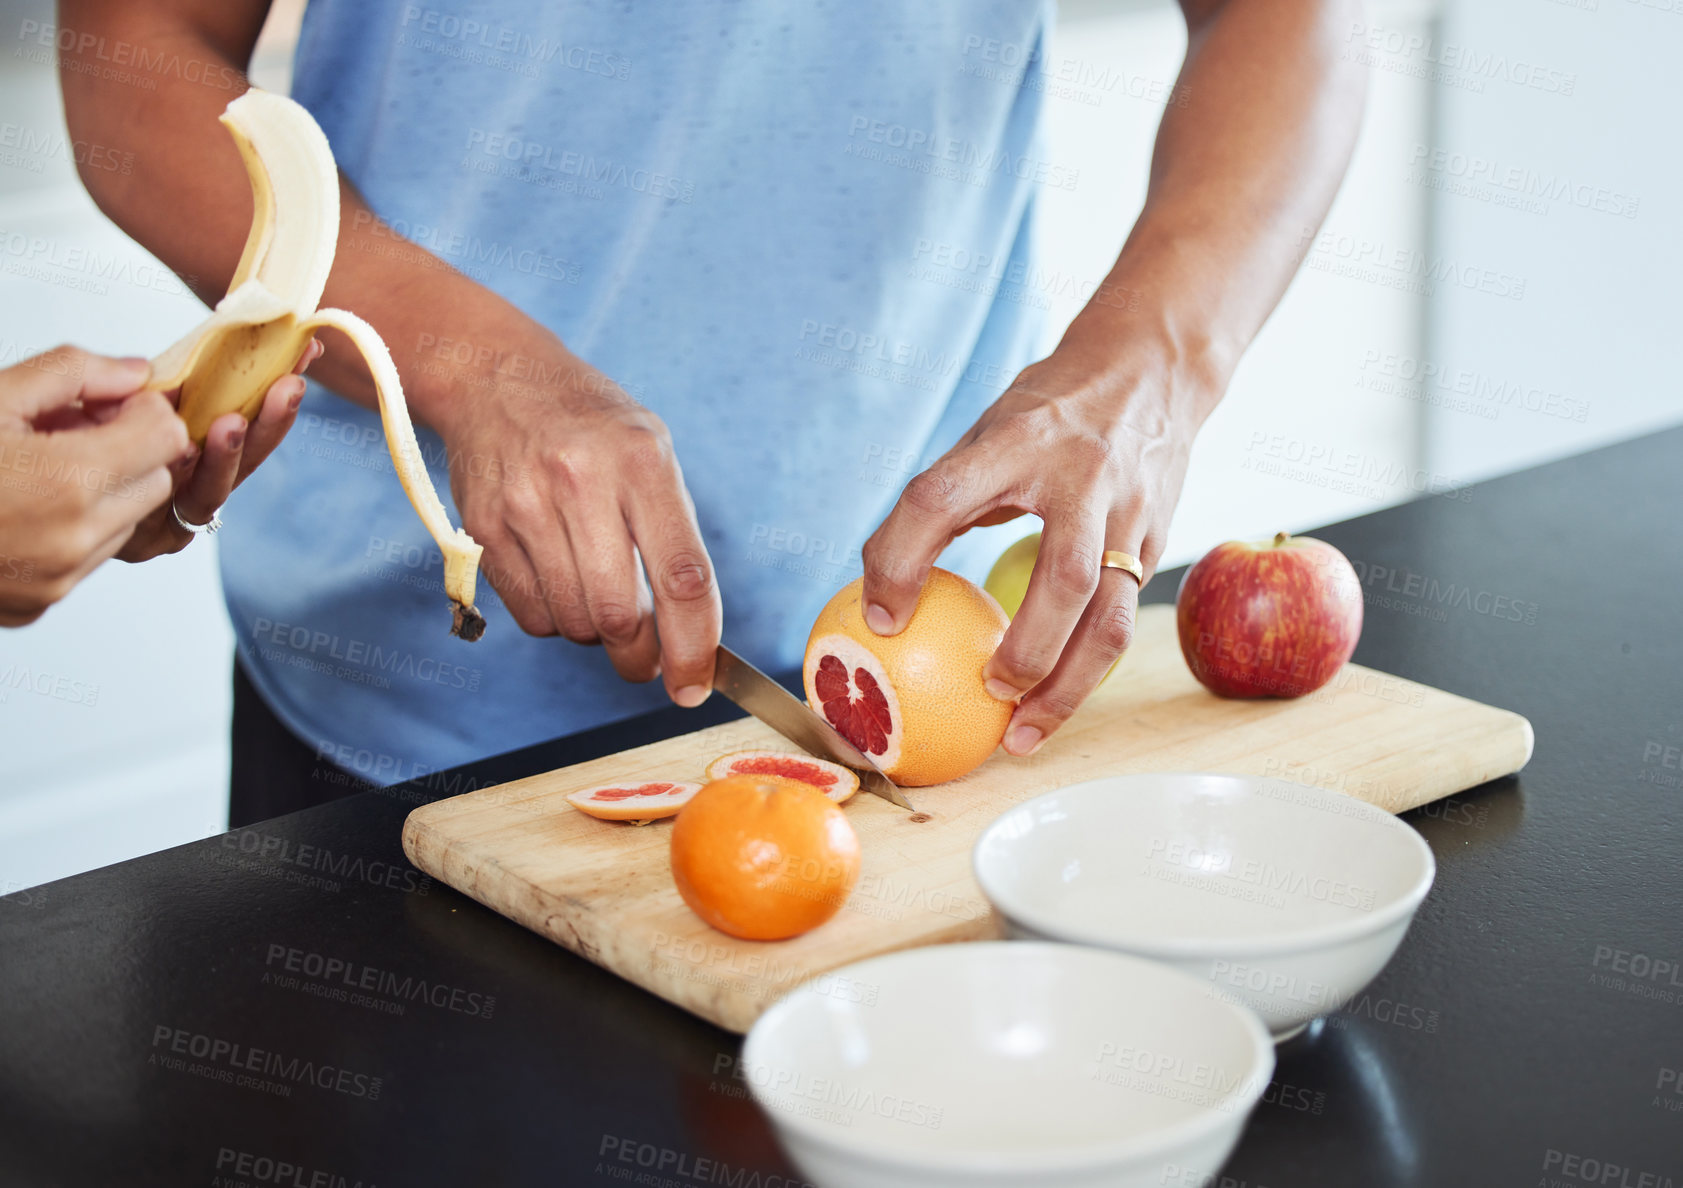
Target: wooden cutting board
[604, 889]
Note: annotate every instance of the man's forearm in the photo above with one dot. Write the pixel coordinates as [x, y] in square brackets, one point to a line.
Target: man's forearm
[1249, 154]
[188, 201]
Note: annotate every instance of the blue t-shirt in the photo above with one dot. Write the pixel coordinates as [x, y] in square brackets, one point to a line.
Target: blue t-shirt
[799, 233]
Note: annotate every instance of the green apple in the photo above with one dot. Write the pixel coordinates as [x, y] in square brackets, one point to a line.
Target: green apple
[1009, 578]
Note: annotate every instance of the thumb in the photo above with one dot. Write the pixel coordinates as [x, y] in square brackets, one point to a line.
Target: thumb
[63, 376]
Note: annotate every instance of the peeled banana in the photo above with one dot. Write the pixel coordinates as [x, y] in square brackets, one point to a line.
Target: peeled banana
[258, 330]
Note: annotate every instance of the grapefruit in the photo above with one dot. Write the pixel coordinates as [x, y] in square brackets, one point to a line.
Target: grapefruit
[913, 703]
[763, 857]
[633, 802]
[832, 779]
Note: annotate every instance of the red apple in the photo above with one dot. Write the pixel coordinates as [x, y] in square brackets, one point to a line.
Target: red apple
[1273, 619]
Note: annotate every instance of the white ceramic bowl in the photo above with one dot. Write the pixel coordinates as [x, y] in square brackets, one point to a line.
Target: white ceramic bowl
[1285, 898]
[996, 1064]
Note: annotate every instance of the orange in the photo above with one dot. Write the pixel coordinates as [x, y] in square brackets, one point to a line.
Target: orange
[763, 857]
[914, 703]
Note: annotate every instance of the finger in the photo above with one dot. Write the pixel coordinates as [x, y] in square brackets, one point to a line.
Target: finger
[1105, 630]
[556, 583]
[102, 553]
[615, 596]
[688, 614]
[211, 482]
[549, 588]
[1066, 573]
[166, 536]
[144, 436]
[123, 510]
[65, 375]
[312, 351]
[21, 613]
[51, 589]
[929, 513]
[73, 416]
[515, 579]
[274, 421]
[89, 410]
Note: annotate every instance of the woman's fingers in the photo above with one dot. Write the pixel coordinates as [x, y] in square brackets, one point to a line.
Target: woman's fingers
[110, 547]
[212, 480]
[64, 376]
[132, 449]
[274, 421]
[312, 351]
[232, 450]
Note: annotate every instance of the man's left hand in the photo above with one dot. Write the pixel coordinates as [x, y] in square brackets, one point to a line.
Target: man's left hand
[1099, 457]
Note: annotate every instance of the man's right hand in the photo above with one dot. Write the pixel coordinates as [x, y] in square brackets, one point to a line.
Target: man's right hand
[568, 485]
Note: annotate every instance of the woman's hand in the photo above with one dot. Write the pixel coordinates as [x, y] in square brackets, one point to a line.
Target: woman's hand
[204, 478]
[84, 458]
[1097, 454]
[89, 466]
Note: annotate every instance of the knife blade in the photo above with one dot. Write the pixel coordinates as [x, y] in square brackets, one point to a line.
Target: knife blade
[785, 713]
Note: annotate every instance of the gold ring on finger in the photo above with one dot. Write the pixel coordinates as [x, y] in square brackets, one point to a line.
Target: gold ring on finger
[1126, 562]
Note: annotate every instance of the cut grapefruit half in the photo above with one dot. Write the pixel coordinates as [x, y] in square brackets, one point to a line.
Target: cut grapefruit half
[633, 802]
[832, 779]
[914, 703]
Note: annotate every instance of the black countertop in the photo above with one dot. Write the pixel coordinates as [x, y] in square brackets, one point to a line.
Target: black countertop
[1528, 1032]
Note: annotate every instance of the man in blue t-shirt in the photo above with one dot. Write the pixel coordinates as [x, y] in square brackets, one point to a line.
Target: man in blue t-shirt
[683, 296]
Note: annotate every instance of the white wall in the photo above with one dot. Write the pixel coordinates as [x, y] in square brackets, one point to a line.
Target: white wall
[1596, 334]
[1280, 451]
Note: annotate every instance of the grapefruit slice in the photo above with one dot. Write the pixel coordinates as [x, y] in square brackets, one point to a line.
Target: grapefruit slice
[832, 779]
[633, 802]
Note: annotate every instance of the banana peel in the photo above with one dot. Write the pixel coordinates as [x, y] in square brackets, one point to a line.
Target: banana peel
[259, 329]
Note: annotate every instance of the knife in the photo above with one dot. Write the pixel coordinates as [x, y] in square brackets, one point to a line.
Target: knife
[785, 713]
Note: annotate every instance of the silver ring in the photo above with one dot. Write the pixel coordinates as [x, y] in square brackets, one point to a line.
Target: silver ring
[196, 529]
